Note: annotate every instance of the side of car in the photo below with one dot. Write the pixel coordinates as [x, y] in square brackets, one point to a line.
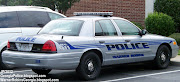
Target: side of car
[119, 41]
[18, 21]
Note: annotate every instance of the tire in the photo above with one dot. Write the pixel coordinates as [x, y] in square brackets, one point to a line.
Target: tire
[162, 58]
[89, 67]
[2, 65]
[41, 71]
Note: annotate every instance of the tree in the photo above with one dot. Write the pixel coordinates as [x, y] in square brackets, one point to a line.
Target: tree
[64, 5]
[61, 5]
[171, 8]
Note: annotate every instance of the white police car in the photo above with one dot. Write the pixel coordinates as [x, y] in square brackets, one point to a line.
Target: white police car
[86, 43]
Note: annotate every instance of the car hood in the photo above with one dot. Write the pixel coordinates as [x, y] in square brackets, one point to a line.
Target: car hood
[158, 37]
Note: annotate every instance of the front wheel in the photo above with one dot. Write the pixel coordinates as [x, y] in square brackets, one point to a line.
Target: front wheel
[41, 71]
[89, 67]
[163, 56]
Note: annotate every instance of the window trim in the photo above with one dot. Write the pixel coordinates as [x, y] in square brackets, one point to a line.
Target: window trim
[129, 23]
[102, 29]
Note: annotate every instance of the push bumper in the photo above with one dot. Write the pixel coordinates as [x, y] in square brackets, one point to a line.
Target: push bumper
[42, 60]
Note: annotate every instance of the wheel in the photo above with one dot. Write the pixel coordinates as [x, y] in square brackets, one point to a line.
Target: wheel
[41, 71]
[162, 58]
[89, 67]
[2, 65]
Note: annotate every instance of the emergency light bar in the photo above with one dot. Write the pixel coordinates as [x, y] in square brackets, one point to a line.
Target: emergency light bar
[93, 13]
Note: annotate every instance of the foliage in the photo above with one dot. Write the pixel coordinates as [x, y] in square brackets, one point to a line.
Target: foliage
[138, 25]
[176, 36]
[159, 23]
[171, 8]
[61, 5]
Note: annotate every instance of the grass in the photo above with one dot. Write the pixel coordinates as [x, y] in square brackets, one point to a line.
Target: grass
[177, 37]
[179, 52]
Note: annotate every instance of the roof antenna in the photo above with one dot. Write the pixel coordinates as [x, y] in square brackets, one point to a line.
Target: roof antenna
[62, 37]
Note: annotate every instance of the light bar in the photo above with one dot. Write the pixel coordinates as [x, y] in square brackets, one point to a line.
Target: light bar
[93, 13]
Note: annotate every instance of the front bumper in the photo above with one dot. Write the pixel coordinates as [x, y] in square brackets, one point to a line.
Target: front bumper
[175, 50]
[42, 60]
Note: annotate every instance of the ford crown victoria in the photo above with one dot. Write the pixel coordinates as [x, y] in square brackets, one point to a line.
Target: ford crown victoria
[86, 43]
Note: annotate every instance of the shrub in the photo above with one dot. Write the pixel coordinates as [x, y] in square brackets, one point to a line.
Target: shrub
[171, 8]
[138, 25]
[176, 36]
[159, 23]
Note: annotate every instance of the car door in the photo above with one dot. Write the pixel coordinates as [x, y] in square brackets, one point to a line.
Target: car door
[9, 27]
[136, 46]
[107, 37]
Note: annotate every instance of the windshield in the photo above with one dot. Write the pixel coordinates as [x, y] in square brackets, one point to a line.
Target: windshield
[63, 27]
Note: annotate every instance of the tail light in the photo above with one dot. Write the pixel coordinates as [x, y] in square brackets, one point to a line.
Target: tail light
[49, 46]
[8, 45]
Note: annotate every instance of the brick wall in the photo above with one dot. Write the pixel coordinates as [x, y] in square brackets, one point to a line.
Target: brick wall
[133, 10]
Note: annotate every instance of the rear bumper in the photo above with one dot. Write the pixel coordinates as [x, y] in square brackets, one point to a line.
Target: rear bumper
[42, 60]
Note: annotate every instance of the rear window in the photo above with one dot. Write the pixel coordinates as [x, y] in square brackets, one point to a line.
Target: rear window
[63, 27]
[33, 18]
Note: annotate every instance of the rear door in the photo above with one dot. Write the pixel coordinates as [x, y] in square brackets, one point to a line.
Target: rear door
[106, 36]
[9, 26]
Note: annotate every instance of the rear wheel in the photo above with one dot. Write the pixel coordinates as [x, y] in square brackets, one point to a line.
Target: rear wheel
[163, 56]
[89, 67]
[41, 71]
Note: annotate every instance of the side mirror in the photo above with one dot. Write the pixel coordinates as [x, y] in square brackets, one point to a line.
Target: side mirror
[143, 32]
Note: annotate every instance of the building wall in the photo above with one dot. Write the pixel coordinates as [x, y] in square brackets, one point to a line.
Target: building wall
[149, 7]
[133, 10]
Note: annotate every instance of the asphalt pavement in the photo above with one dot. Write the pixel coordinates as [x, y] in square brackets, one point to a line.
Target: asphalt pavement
[139, 72]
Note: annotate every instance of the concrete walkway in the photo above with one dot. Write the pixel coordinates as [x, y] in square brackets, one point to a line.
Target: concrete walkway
[176, 59]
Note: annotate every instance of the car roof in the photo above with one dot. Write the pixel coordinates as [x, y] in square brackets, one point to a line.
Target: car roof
[22, 8]
[27, 8]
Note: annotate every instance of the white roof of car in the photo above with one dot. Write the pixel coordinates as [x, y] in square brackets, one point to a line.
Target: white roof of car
[22, 8]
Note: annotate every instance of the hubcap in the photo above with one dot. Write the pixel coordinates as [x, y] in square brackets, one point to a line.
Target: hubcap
[163, 57]
[90, 66]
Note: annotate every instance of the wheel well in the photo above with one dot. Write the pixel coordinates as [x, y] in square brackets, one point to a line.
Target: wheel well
[3, 48]
[97, 52]
[166, 44]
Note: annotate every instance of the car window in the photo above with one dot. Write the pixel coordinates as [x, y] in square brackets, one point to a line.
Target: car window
[54, 16]
[8, 20]
[63, 27]
[107, 28]
[3, 23]
[98, 29]
[126, 27]
[33, 18]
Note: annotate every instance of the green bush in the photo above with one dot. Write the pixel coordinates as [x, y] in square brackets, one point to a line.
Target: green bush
[176, 36]
[159, 23]
[171, 8]
[138, 25]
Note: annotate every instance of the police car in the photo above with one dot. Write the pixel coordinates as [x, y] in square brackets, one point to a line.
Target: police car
[86, 43]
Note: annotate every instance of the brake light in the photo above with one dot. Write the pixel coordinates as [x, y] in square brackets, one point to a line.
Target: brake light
[49, 46]
[8, 45]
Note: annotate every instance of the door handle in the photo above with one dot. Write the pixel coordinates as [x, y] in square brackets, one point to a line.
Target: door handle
[101, 42]
[127, 40]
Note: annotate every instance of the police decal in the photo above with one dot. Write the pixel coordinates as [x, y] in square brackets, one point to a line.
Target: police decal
[26, 39]
[125, 46]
